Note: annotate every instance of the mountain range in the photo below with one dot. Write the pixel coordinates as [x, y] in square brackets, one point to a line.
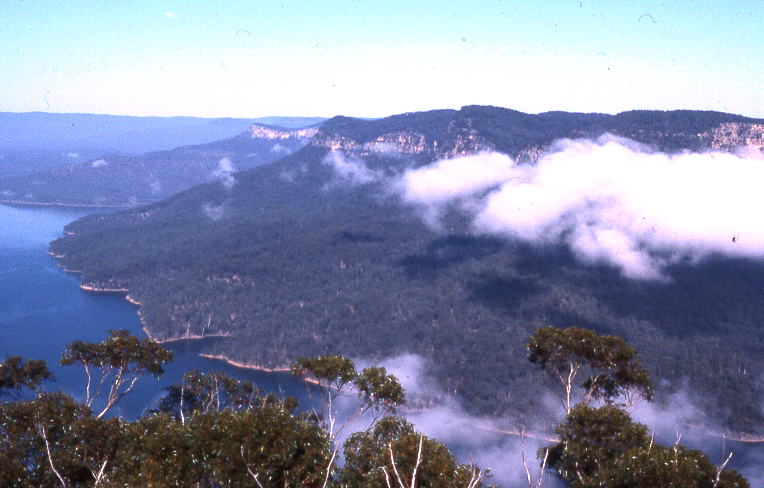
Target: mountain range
[313, 253]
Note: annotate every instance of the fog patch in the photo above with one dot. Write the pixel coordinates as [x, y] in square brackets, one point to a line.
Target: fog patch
[351, 170]
[611, 200]
[292, 174]
[491, 443]
[154, 184]
[224, 173]
[433, 188]
[214, 212]
[279, 150]
[99, 163]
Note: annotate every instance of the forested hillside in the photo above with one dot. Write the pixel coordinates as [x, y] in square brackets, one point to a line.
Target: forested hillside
[123, 181]
[315, 254]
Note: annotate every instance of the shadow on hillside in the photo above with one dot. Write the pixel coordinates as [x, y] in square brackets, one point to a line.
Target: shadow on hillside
[447, 251]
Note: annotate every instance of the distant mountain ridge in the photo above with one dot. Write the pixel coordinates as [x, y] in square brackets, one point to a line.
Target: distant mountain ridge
[290, 262]
[450, 133]
[117, 180]
[123, 134]
[425, 136]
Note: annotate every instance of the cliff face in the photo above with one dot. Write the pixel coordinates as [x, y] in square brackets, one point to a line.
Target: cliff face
[732, 135]
[456, 140]
[264, 132]
[449, 134]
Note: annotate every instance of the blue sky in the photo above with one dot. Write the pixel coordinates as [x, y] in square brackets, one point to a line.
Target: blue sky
[374, 58]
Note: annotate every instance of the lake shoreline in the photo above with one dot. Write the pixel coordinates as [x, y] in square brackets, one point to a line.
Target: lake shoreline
[24, 203]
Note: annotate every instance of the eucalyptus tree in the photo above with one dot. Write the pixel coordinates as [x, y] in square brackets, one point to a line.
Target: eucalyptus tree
[54, 441]
[603, 447]
[202, 392]
[610, 366]
[394, 455]
[259, 446]
[115, 365]
[336, 376]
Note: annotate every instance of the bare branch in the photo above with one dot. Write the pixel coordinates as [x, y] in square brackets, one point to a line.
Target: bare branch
[719, 470]
[418, 462]
[249, 470]
[50, 456]
[100, 472]
[329, 468]
[395, 468]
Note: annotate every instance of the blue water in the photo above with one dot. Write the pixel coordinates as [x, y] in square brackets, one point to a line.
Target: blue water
[42, 308]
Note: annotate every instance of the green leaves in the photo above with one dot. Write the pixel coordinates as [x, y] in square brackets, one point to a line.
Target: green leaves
[330, 371]
[611, 366]
[17, 373]
[603, 447]
[378, 389]
[202, 392]
[119, 361]
[335, 375]
[392, 446]
[120, 350]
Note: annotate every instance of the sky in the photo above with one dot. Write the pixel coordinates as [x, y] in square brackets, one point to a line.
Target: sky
[253, 58]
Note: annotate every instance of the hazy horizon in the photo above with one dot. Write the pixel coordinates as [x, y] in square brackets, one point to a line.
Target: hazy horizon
[242, 59]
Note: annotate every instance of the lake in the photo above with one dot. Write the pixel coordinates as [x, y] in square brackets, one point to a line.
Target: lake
[42, 309]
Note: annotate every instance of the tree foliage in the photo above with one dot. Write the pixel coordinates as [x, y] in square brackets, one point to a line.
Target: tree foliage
[610, 366]
[212, 431]
[376, 390]
[388, 453]
[603, 447]
[203, 392]
[118, 362]
[17, 374]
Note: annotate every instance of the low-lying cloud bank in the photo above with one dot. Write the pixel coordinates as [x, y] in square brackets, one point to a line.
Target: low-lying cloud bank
[611, 200]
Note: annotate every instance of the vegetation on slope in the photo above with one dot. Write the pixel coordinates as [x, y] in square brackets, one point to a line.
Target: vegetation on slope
[297, 264]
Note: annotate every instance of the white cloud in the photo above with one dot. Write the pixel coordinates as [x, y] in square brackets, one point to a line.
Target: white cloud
[611, 200]
[350, 169]
[482, 440]
[224, 172]
[72, 155]
[449, 179]
[170, 15]
[214, 212]
[99, 163]
[280, 150]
